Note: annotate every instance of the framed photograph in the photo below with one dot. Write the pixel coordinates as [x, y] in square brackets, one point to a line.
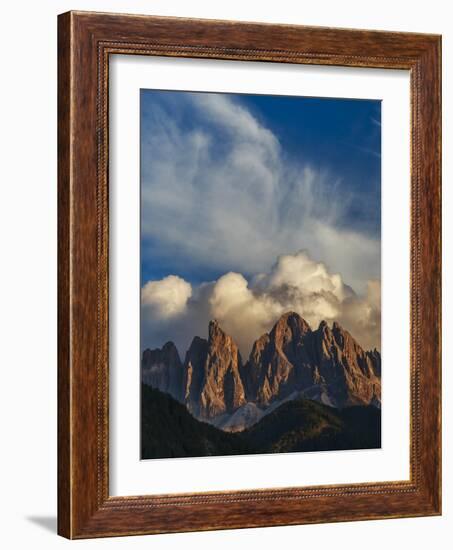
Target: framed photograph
[249, 275]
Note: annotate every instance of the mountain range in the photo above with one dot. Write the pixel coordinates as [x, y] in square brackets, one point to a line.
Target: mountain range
[291, 363]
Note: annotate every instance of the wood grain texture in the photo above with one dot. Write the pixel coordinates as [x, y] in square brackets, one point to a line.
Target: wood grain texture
[86, 40]
[64, 369]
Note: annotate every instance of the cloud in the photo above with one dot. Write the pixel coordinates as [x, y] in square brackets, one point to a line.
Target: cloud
[220, 194]
[221, 110]
[248, 308]
[167, 297]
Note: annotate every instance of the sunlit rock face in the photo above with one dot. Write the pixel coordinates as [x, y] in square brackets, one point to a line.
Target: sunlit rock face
[326, 364]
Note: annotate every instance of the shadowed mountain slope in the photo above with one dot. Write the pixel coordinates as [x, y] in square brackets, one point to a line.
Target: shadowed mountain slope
[169, 430]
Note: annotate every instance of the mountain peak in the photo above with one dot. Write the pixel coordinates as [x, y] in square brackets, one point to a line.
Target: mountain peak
[336, 327]
[215, 330]
[168, 350]
[291, 315]
[324, 327]
[169, 347]
[340, 334]
[162, 368]
[218, 388]
[293, 322]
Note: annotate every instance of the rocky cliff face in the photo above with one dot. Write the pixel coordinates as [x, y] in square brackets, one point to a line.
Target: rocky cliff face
[194, 375]
[352, 376]
[212, 383]
[278, 363]
[325, 365]
[162, 369]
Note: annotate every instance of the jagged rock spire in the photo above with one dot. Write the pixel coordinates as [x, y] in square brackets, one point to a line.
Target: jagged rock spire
[326, 364]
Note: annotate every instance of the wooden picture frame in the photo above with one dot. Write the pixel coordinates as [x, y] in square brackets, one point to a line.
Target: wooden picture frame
[85, 42]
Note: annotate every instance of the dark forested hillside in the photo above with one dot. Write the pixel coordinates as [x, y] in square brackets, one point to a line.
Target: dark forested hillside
[304, 425]
[169, 430]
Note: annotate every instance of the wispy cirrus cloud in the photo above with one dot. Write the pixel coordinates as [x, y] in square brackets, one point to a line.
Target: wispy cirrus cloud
[220, 194]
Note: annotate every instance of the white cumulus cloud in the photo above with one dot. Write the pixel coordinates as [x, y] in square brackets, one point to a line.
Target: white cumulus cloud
[247, 309]
[167, 297]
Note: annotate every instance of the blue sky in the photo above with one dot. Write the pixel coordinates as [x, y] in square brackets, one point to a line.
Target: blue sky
[342, 136]
[233, 183]
[339, 137]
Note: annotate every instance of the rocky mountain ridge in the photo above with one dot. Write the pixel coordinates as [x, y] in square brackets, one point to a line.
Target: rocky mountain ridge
[292, 360]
